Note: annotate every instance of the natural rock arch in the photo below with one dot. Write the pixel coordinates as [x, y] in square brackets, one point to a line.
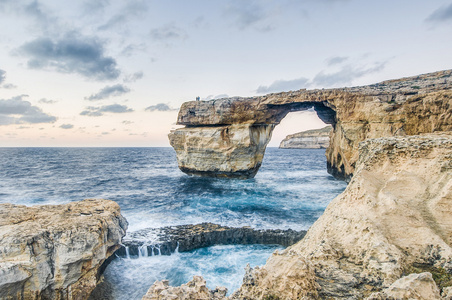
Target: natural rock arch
[227, 137]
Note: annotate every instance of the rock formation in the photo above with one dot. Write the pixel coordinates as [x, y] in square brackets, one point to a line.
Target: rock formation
[195, 289]
[393, 219]
[189, 237]
[56, 251]
[310, 139]
[227, 137]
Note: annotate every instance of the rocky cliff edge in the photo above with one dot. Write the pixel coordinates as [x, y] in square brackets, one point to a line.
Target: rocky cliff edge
[56, 251]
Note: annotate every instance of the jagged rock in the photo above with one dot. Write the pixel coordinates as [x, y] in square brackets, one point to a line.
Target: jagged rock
[227, 137]
[189, 237]
[56, 251]
[194, 289]
[309, 139]
[411, 287]
[395, 215]
[447, 293]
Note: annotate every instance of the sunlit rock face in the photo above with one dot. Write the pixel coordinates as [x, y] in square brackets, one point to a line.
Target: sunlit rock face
[394, 219]
[407, 106]
[57, 251]
[222, 151]
[310, 139]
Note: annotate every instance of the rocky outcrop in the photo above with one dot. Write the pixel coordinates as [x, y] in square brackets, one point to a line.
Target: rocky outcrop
[414, 286]
[194, 289]
[394, 218]
[227, 137]
[184, 238]
[56, 251]
[309, 139]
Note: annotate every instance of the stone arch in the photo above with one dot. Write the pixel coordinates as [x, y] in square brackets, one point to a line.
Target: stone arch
[227, 137]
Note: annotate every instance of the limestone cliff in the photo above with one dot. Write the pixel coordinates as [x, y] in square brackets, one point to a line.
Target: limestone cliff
[56, 251]
[394, 218]
[227, 137]
[310, 139]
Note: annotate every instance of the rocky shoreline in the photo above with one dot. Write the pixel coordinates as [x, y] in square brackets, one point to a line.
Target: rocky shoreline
[183, 238]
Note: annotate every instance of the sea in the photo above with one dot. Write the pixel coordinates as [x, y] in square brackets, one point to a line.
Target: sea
[291, 190]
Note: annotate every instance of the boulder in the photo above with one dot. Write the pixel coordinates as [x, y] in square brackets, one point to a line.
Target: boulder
[57, 251]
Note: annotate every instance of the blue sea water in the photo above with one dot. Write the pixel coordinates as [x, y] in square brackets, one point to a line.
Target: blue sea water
[291, 190]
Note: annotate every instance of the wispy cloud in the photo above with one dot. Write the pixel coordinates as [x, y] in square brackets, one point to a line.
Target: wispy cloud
[160, 107]
[442, 14]
[344, 75]
[47, 101]
[72, 54]
[336, 60]
[245, 13]
[168, 34]
[109, 91]
[97, 111]
[66, 126]
[284, 85]
[19, 111]
[211, 97]
[2, 76]
[131, 10]
[134, 77]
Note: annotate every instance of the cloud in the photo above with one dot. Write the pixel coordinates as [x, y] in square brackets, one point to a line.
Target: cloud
[284, 85]
[345, 75]
[168, 34]
[129, 12]
[9, 86]
[109, 91]
[47, 101]
[159, 107]
[134, 77]
[18, 111]
[67, 126]
[211, 97]
[442, 14]
[81, 55]
[97, 111]
[2, 76]
[126, 122]
[245, 12]
[336, 60]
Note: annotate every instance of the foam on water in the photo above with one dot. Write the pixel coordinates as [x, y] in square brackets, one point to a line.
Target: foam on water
[219, 265]
[291, 190]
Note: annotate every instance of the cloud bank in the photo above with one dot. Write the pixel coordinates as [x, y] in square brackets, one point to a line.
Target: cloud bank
[80, 55]
[18, 111]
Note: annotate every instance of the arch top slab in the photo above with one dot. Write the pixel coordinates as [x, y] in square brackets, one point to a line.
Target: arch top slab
[227, 137]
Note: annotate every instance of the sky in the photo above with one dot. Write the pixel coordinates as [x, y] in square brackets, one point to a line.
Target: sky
[114, 73]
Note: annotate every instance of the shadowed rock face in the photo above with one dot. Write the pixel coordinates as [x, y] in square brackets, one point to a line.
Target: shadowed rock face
[227, 137]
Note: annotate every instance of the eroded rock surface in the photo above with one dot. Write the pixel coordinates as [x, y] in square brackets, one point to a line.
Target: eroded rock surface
[309, 139]
[56, 251]
[227, 137]
[394, 216]
[194, 289]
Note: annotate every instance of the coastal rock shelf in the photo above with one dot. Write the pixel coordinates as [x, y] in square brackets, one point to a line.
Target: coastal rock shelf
[227, 137]
[156, 241]
[310, 139]
[57, 251]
